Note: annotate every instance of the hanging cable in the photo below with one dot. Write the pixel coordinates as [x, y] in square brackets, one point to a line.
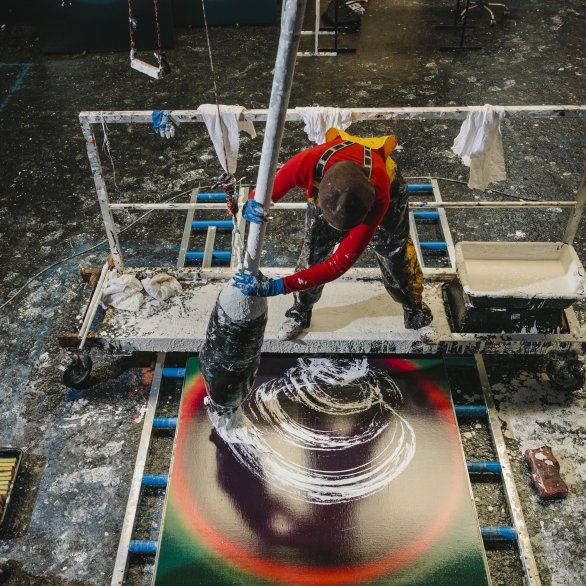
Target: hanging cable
[227, 181]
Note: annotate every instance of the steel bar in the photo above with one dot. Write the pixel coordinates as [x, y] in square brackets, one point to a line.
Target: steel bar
[93, 306]
[208, 251]
[173, 372]
[524, 543]
[479, 467]
[471, 410]
[187, 230]
[445, 227]
[577, 213]
[358, 114]
[103, 200]
[498, 533]
[143, 547]
[301, 205]
[124, 545]
[165, 423]
[155, 480]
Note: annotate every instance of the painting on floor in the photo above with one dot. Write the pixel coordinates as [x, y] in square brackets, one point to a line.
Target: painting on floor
[335, 470]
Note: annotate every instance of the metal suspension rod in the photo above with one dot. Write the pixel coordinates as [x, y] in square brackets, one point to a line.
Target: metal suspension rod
[292, 20]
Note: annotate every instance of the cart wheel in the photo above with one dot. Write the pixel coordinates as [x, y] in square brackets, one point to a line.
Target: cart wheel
[507, 13]
[565, 372]
[493, 22]
[77, 372]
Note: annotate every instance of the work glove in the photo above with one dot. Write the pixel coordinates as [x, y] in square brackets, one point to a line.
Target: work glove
[254, 212]
[258, 285]
[163, 124]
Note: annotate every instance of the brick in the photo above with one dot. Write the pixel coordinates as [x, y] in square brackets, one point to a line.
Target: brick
[545, 473]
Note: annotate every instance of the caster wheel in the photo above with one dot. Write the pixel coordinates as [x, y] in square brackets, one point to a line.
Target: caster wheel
[77, 372]
[566, 373]
[493, 23]
[507, 13]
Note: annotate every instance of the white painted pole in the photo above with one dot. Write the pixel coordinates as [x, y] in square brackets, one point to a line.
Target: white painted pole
[291, 24]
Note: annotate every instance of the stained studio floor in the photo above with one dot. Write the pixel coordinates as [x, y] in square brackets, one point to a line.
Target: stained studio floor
[80, 448]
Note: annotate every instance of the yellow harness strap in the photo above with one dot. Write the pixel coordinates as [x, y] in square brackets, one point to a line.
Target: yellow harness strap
[386, 143]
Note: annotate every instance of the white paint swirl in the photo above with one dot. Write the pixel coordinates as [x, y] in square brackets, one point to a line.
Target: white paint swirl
[301, 429]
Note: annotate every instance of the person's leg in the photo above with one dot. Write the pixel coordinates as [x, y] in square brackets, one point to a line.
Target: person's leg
[319, 240]
[397, 259]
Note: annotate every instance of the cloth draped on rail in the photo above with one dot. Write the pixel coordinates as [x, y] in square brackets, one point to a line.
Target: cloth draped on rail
[480, 145]
[319, 119]
[224, 130]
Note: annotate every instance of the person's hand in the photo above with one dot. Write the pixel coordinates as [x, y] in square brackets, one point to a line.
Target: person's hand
[254, 212]
[258, 285]
[163, 124]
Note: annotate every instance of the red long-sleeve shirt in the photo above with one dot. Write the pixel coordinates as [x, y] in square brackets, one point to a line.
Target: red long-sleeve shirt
[298, 172]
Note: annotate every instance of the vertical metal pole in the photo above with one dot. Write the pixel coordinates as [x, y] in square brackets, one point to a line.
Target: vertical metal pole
[187, 230]
[577, 213]
[291, 24]
[317, 22]
[96, 167]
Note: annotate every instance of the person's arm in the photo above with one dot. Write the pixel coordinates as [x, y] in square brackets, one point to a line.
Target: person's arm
[347, 253]
[294, 173]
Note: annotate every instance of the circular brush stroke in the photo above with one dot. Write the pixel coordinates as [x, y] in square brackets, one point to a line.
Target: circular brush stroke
[322, 387]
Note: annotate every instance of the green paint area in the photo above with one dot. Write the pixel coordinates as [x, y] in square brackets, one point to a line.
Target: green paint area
[352, 474]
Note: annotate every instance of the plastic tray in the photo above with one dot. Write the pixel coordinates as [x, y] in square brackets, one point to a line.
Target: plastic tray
[10, 453]
[520, 274]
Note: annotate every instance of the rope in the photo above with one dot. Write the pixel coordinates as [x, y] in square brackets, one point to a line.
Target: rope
[158, 25]
[131, 26]
[216, 92]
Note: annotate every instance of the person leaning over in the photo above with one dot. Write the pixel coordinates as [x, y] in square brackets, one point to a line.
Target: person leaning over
[355, 197]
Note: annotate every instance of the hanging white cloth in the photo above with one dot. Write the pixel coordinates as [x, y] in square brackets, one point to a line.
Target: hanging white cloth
[480, 144]
[226, 134]
[318, 120]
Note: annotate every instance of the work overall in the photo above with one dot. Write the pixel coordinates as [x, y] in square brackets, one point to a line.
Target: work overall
[395, 253]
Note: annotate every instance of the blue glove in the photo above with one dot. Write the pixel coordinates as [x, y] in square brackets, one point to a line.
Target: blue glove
[163, 124]
[258, 285]
[254, 212]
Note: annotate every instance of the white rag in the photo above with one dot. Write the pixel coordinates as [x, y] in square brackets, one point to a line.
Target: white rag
[162, 286]
[480, 144]
[318, 120]
[123, 292]
[226, 135]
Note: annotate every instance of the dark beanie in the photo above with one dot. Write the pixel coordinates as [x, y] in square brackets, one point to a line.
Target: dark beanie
[345, 195]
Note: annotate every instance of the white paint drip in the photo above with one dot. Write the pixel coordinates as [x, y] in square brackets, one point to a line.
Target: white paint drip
[359, 403]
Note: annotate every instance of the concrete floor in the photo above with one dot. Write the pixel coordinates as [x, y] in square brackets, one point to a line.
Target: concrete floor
[80, 448]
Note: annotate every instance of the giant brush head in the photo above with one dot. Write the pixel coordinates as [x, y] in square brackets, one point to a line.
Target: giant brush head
[345, 195]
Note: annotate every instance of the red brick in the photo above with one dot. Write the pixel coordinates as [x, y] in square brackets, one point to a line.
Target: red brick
[545, 473]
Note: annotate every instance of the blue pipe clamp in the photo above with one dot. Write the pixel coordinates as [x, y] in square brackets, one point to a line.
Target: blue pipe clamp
[498, 532]
[143, 547]
[216, 255]
[221, 224]
[493, 467]
[471, 410]
[165, 422]
[173, 372]
[215, 196]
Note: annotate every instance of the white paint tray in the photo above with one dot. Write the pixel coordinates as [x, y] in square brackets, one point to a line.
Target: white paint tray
[520, 274]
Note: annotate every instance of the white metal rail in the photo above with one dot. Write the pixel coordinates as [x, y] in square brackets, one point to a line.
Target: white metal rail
[358, 114]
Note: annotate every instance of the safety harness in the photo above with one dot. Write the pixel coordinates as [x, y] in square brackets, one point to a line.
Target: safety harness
[320, 167]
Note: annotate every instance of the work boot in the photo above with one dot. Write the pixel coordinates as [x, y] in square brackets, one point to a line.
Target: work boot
[296, 320]
[417, 317]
